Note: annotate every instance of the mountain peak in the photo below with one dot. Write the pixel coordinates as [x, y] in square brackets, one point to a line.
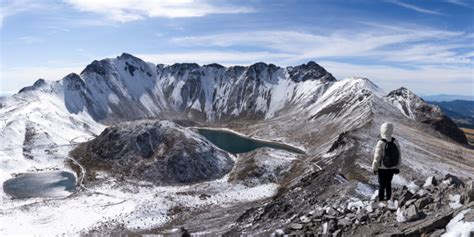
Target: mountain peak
[310, 71]
[405, 93]
[184, 66]
[214, 65]
[127, 56]
[96, 67]
[414, 107]
[312, 64]
[73, 82]
[38, 83]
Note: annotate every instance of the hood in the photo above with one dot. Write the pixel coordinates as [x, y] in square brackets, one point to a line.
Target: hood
[386, 130]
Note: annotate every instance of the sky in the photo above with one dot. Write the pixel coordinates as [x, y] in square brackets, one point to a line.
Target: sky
[426, 46]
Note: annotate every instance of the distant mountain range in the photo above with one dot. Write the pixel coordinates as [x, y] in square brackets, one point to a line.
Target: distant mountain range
[460, 111]
[445, 97]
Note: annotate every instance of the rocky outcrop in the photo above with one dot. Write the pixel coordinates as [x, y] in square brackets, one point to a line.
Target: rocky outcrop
[160, 152]
[309, 71]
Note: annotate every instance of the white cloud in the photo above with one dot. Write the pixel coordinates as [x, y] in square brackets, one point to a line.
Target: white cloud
[424, 79]
[29, 39]
[380, 43]
[460, 3]
[416, 8]
[19, 77]
[131, 10]
[12, 7]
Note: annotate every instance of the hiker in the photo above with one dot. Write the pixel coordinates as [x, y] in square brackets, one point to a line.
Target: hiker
[387, 159]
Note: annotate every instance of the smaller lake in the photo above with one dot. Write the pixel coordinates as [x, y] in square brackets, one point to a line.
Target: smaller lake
[235, 143]
[45, 184]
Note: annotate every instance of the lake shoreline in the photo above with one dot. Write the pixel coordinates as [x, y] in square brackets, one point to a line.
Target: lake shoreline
[264, 141]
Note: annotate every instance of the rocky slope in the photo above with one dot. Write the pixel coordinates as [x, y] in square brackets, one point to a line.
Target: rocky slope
[427, 209]
[159, 152]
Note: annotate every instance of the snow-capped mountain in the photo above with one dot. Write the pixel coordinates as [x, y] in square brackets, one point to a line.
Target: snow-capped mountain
[335, 121]
[127, 88]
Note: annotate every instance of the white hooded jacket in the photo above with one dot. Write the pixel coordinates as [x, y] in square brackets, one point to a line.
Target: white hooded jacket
[386, 131]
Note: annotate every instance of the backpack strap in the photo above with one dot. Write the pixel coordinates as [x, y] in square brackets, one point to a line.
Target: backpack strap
[385, 147]
[393, 139]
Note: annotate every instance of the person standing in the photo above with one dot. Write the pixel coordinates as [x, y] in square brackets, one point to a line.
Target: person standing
[387, 160]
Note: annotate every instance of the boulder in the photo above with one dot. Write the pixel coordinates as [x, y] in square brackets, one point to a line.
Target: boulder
[305, 220]
[437, 196]
[469, 216]
[296, 226]
[412, 213]
[369, 208]
[332, 226]
[455, 201]
[469, 193]
[344, 223]
[437, 233]
[337, 233]
[443, 186]
[405, 196]
[392, 205]
[329, 217]
[362, 217]
[454, 180]
[387, 215]
[331, 211]
[419, 183]
[350, 215]
[430, 182]
[377, 212]
[318, 213]
[409, 202]
[278, 232]
[428, 225]
[422, 202]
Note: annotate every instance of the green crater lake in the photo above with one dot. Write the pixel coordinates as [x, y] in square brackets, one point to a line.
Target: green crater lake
[235, 143]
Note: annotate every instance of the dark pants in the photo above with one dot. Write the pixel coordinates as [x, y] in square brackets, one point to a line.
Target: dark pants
[385, 184]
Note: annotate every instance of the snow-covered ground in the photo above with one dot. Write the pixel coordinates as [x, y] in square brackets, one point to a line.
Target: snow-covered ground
[457, 227]
[136, 207]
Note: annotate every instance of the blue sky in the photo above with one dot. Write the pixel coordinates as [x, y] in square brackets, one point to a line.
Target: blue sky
[426, 46]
